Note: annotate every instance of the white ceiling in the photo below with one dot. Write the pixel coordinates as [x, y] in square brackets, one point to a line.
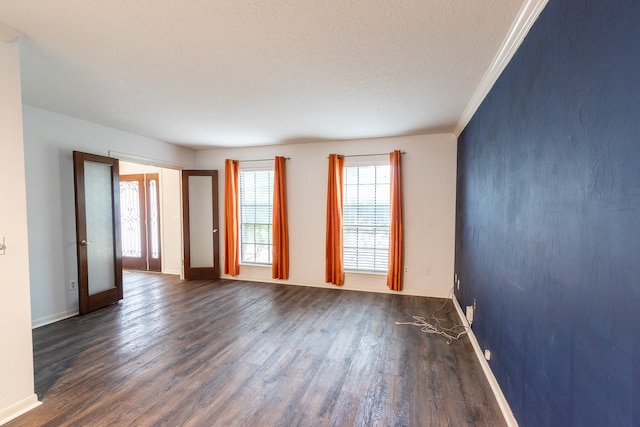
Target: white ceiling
[205, 73]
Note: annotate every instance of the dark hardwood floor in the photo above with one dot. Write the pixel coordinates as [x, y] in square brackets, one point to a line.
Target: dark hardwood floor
[233, 353]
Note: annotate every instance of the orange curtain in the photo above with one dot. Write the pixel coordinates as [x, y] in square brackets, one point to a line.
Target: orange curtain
[394, 275]
[231, 208]
[280, 238]
[334, 265]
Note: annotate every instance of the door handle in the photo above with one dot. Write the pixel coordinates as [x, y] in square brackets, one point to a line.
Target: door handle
[215, 230]
[84, 242]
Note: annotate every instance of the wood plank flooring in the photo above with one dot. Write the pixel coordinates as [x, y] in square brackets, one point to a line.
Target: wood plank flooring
[233, 353]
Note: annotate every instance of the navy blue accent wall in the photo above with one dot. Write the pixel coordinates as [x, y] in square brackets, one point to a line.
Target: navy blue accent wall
[548, 218]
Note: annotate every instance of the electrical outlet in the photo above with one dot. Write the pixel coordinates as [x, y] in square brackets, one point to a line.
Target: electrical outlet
[470, 314]
[3, 247]
[427, 272]
[73, 285]
[487, 354]
[406, 269]
[458, 283]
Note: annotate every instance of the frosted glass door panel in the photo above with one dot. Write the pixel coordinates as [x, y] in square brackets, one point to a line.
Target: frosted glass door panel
[200, 220]
[100, 244]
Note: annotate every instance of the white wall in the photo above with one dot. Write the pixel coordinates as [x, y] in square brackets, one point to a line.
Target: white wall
[49, 140]
[16, 357]
[429, 179]
[170, 224]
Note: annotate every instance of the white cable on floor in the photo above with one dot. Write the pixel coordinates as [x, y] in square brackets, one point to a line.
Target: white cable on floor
[450, 333]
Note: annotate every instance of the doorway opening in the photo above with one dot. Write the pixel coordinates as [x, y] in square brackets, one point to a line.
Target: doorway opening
[150, 218]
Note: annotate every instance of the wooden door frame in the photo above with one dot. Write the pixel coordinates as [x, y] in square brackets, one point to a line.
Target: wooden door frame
[145, 262]
[197, 272]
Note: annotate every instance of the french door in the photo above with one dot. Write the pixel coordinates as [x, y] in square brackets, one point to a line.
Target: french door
[97, 206]
[140, 221]
[200, 224]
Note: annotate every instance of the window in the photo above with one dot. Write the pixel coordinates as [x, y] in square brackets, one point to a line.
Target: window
[256, 204]
[366, 217]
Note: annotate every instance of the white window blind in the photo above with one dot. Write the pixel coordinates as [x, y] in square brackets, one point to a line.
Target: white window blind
[366, 217]
[256, 205]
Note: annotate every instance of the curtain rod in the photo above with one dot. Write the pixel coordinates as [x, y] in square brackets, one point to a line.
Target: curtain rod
[261, 160]
[367, 155]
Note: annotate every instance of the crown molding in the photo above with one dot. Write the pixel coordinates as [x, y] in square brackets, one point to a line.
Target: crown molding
[519, 30]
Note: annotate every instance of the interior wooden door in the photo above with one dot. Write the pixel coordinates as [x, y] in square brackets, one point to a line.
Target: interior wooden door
[97, 203]
[200, 224]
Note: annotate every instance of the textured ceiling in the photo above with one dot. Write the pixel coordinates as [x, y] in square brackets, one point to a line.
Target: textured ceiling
[206, 73]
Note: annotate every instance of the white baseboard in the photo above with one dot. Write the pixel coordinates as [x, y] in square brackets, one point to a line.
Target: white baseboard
[18, 408]
[53, 318]
[495, 387]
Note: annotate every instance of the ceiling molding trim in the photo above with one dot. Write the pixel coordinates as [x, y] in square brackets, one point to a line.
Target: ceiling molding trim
[519, 30]
[8, 34]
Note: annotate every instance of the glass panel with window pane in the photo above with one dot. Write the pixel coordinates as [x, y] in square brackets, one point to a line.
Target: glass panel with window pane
[366, 217]
[256, 207]
[154, 227]
[130, 219]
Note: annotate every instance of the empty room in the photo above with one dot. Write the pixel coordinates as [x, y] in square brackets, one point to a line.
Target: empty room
[320, 213]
